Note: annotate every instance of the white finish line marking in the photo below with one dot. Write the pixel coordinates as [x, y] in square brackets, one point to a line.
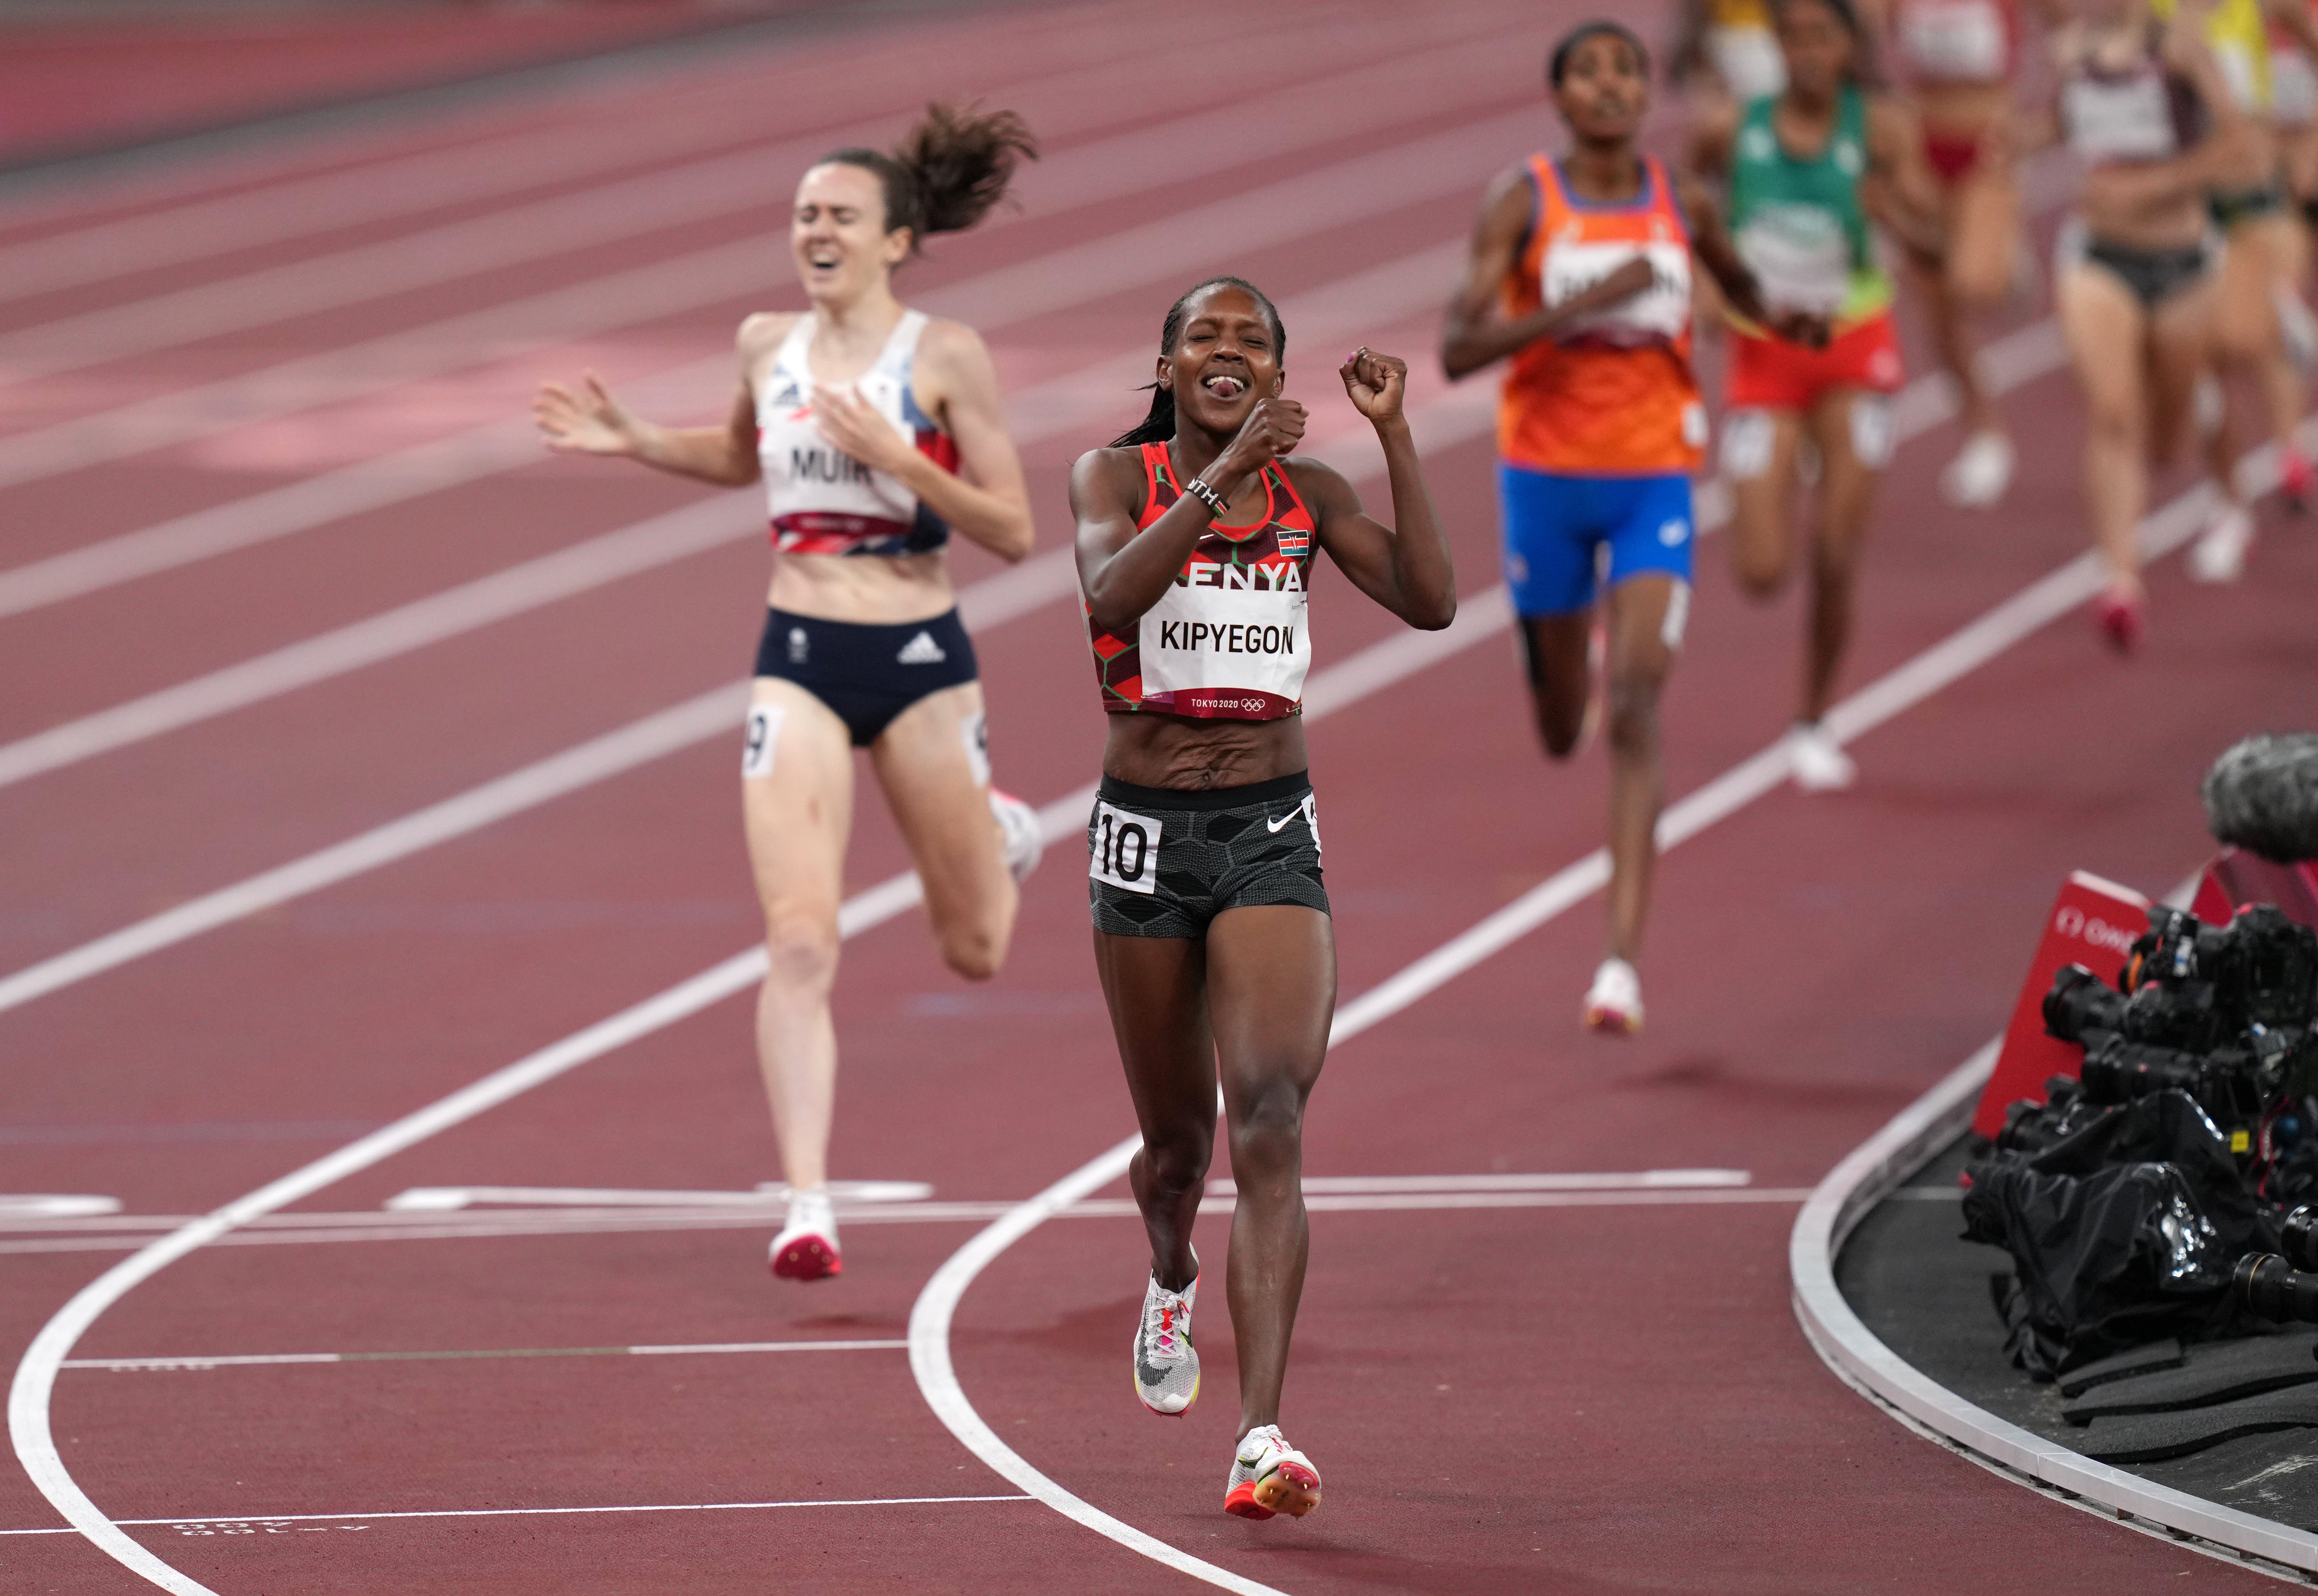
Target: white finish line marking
[200, 1526]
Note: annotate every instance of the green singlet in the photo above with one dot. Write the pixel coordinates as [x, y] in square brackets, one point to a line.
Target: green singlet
[1799, 224]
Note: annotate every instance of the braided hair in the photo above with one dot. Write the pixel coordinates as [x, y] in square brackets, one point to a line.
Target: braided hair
[948, 171]
[1159, 426]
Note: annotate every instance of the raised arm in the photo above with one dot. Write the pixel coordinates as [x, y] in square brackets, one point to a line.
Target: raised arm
[985, 498]
[591, 421]
[1123, 571]
[1406, 570]
[1475, 332]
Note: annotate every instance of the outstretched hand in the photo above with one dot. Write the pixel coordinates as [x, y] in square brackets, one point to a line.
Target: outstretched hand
[854, 426]
[589, 422]
[1376, 383]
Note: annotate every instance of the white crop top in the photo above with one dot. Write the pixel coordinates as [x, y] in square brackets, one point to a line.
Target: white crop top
[822, 500]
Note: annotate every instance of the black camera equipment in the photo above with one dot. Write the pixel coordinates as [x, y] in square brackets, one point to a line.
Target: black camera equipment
[2298, 1237]
[2270, 1287]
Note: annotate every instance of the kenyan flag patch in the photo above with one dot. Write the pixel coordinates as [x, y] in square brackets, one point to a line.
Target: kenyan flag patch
[1292, 541]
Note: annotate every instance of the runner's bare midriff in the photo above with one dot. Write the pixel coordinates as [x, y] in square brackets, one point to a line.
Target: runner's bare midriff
[1161, 750]
[886, 589]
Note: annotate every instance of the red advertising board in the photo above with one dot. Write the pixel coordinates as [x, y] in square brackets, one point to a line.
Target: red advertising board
[2093, 923]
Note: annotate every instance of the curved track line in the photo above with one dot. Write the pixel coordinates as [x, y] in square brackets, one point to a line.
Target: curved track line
[1963, 651]
[1857, 1357]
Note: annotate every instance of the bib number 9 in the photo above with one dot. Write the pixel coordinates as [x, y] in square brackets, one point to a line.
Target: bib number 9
[1125, 850]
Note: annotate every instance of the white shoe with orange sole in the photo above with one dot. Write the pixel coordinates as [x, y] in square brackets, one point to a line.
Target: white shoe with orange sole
[1270, 1477]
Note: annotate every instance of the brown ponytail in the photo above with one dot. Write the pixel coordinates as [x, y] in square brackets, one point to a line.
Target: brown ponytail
[948, 171]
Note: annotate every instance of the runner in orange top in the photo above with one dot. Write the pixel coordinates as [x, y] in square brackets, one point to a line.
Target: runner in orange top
[1581, 272]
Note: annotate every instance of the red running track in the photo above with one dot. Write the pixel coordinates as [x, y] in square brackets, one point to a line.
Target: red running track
[1575, 1398]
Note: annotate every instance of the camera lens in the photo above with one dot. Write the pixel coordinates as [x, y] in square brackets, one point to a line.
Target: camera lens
[2271, 1288]
[2080, 1003]
[2299, 1237]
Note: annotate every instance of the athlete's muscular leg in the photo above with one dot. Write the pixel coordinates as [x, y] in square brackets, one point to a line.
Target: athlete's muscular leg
[1640, 653]
[798, 815]
[2108, 337]
[1554, 652]
[2246, 332]
[942, 803]
[1852, 444]
[1271, 990]
[2178, 339]
[1156, 988]
[1759, 463]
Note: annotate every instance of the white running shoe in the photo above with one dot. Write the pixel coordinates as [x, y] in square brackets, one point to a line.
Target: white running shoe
[1270, 1477]
[1981, 471]
[806, 1247]
[1818, 760]
[1166, 1367]
[1018, 823]
[1614, 1002]
[2219, 554]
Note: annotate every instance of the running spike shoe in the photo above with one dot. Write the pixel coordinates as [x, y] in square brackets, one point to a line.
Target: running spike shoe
[1167, 1366]
[1018, 824]
[2219, 553]
[2118, 615]
[1613, 1003]
[806, 1247]
[1270, 1477]
[1818, 760]
[1981, 471]
[2295, 476]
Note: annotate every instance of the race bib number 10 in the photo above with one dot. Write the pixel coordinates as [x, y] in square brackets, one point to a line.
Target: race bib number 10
[1125, 850]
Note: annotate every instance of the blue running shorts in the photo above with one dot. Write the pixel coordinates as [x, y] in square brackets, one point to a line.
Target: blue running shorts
[1555, 526]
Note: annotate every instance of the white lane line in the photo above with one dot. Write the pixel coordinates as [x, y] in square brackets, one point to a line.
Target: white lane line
[1163, 249]
[1357, 302]
[1306, 116]
[252, 1359]
[40, 1206]
[341, 1229]
[1997, 630]
[510, 164]
[194, 1526]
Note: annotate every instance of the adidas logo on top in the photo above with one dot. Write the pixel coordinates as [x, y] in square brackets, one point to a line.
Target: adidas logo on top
[921, 650]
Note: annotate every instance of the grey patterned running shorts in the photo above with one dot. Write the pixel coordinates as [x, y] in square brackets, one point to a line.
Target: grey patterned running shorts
[1164, 862]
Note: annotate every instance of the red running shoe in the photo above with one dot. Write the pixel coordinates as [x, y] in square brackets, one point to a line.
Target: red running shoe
[2118, 615]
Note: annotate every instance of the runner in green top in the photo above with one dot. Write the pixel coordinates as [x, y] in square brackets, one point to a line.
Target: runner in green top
[1799, 221]
[1809, 168]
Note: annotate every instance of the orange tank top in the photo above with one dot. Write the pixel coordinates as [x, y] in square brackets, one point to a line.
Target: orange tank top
[1228, 639]
[1614, 396]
